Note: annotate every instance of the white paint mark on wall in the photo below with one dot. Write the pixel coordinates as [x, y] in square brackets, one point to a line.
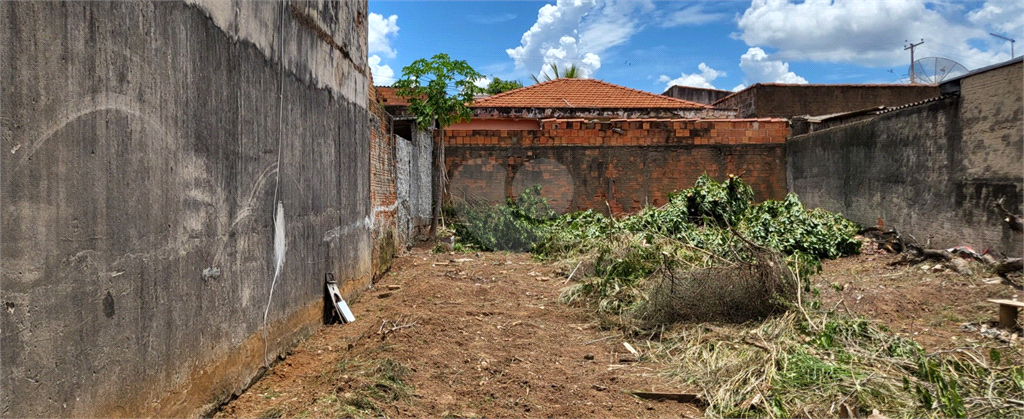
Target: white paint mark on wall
[364, 223]
[336, 232]
[376, 210]
[280, 245]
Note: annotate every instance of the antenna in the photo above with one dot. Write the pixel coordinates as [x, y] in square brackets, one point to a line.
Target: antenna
[933, 70]
[911, 48]
[1012, 41]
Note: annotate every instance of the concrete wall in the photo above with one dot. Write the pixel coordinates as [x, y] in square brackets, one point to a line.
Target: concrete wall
[620, 165]
[696, 94]
[769, 100]
[415, 185]
[144, 144]
[932, 171]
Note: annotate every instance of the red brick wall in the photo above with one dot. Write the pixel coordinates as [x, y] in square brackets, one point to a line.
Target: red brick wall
[383, 192]
[622, 164]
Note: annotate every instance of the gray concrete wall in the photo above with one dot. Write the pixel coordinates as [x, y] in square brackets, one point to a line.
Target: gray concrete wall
[144, 144]
[414, 185]
[696, 94]
[767, 100]
[932, 171]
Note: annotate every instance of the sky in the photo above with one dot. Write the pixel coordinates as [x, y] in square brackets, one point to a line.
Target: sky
[726, 45]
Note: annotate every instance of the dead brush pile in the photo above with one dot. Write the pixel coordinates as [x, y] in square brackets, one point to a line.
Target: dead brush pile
[720, 288]
[733, 292]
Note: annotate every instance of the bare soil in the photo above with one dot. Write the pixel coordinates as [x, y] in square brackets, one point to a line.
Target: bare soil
[937, 307]
[483, 335]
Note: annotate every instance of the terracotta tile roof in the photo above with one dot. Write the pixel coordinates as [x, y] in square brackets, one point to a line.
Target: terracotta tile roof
[582, 93]
[386, 96]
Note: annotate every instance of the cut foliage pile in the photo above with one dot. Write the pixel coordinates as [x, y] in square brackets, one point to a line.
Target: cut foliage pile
[709, 254]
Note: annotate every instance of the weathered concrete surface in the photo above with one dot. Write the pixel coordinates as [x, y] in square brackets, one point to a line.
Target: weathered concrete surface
[764, 100]
[414, 183]
[144, 144]
[933, 171]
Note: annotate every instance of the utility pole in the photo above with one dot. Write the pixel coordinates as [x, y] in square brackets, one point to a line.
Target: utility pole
[911, 48]
[1008, 39]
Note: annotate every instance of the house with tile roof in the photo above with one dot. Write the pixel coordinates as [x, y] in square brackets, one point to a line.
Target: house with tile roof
[578, 98]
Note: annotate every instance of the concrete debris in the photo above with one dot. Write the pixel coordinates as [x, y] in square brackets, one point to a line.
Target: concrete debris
[990, 332]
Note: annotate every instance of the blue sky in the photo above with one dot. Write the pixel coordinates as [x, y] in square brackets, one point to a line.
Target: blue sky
[650, 45]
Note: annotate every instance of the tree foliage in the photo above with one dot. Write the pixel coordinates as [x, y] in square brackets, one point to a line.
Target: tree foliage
[499, 86]
[438, 89]
[572, 72]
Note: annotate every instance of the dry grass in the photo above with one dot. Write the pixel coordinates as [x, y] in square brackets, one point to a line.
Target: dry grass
[786, 367]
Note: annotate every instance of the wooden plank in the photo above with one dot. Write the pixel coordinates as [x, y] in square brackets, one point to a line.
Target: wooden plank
[1007, 302]
[679, 397]
[1008, 316]
[1008, 312]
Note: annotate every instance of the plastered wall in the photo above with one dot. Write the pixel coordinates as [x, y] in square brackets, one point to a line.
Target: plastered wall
[172, 174]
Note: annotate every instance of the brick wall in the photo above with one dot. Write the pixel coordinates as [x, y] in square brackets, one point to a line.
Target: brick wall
[991, 114]
[619, 165]
[383, 189]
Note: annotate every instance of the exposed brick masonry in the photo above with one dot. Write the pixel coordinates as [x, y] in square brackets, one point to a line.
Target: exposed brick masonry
[621, 165]
[623, 132]
[383, 191]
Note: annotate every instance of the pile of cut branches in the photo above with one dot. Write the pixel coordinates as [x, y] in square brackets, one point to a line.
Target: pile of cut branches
[709, 254]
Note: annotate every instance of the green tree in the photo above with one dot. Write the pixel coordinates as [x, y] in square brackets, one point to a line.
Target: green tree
[498, 86]
[572, 72]
[439, 91]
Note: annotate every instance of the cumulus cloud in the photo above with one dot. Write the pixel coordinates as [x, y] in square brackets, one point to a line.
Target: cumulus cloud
[383, 75]
[576, 32]
[380, 31]
[702, 79]
[757, 68]
[873, 33]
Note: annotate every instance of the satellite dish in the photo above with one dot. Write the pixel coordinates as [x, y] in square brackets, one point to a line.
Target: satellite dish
[933, 70]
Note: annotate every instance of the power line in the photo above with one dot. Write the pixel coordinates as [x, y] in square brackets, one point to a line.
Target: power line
[911, 48]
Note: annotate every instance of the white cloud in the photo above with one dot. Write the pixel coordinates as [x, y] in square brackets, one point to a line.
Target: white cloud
[576, 32]
[704, 79]
[873, 33]
[383, 75]
[490, 19]
[1003, 17]
[691, 15]
[739, 87]
[757, 68]
[380, 31]
[482, 82]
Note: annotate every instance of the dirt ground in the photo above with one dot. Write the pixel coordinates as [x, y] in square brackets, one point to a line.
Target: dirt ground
[938, 308]
[483, 335]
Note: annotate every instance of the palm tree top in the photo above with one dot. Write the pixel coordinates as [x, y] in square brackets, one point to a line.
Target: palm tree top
[573, 72]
